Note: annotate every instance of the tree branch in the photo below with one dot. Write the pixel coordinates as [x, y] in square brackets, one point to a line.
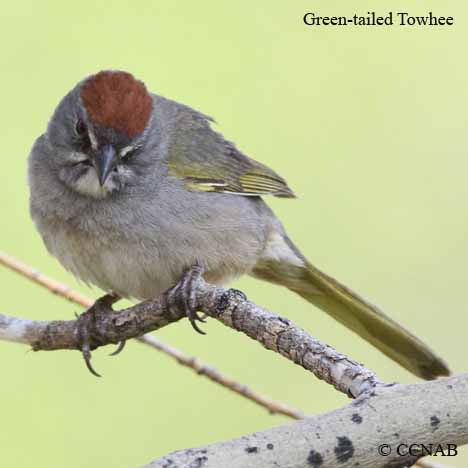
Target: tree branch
[389, 421]
[228, 306]
[231, 308]
[201, 368]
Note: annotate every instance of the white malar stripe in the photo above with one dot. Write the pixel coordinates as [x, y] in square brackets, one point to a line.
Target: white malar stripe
[126, 150]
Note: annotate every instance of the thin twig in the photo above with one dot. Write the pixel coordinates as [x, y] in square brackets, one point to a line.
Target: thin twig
[52, 285]
[213, 374]
[193, 363]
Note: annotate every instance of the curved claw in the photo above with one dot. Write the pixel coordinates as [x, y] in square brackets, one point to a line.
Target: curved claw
[193, 322]
[87, 359]
[198, 317]
[84, 325]
[189, 296]
[185, 294]
[119, 349]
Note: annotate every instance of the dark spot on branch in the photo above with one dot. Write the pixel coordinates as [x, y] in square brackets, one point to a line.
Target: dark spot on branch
[344, 450]
[222, 304]
[435, 421]
[270, 446]
[356, 418]
[315, 459]
[251, 449]
[198, 462]
[449, 386]
[284, 320]
[239, 294]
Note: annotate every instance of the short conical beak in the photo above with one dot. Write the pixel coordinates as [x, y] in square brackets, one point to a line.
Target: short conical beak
[106, 159]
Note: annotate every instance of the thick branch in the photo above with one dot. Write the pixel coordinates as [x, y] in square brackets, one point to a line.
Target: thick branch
[228, 306]
[428, 413]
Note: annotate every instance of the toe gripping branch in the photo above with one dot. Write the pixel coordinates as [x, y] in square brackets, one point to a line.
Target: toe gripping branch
[87, 323]
[182, 297]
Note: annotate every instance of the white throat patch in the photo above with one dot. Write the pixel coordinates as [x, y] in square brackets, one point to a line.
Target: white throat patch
[88, 184]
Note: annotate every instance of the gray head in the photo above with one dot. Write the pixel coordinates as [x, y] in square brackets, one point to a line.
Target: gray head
[99, 130]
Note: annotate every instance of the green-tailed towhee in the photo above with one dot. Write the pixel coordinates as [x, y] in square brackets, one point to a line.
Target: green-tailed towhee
[130, 189]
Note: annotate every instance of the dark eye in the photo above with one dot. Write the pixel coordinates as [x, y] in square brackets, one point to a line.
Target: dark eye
[82, 136]
[80, 128]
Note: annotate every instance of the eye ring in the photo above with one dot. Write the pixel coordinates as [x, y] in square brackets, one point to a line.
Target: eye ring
[80, 128]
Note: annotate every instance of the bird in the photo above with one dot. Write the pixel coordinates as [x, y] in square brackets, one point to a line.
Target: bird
[130, 189]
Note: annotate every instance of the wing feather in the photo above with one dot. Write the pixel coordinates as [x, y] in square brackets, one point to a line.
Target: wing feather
[206, 161]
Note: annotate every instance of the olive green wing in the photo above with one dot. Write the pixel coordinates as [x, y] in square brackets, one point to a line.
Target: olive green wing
[206, 161]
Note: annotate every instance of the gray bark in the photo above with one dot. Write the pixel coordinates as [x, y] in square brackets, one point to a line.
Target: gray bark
[433, 412]
[228, 306]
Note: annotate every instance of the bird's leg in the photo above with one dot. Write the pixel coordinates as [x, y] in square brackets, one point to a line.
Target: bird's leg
[184, 295]
[121, 345]
[85, 322]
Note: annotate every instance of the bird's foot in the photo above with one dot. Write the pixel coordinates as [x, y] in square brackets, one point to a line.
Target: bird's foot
[184, 295]
[86, 323]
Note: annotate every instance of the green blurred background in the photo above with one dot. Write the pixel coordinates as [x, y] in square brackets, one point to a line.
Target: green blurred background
[367, 125]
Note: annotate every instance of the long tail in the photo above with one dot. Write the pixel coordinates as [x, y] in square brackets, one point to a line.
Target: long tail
[290, 269]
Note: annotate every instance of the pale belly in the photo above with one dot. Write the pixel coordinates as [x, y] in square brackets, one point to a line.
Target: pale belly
[145, 269]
